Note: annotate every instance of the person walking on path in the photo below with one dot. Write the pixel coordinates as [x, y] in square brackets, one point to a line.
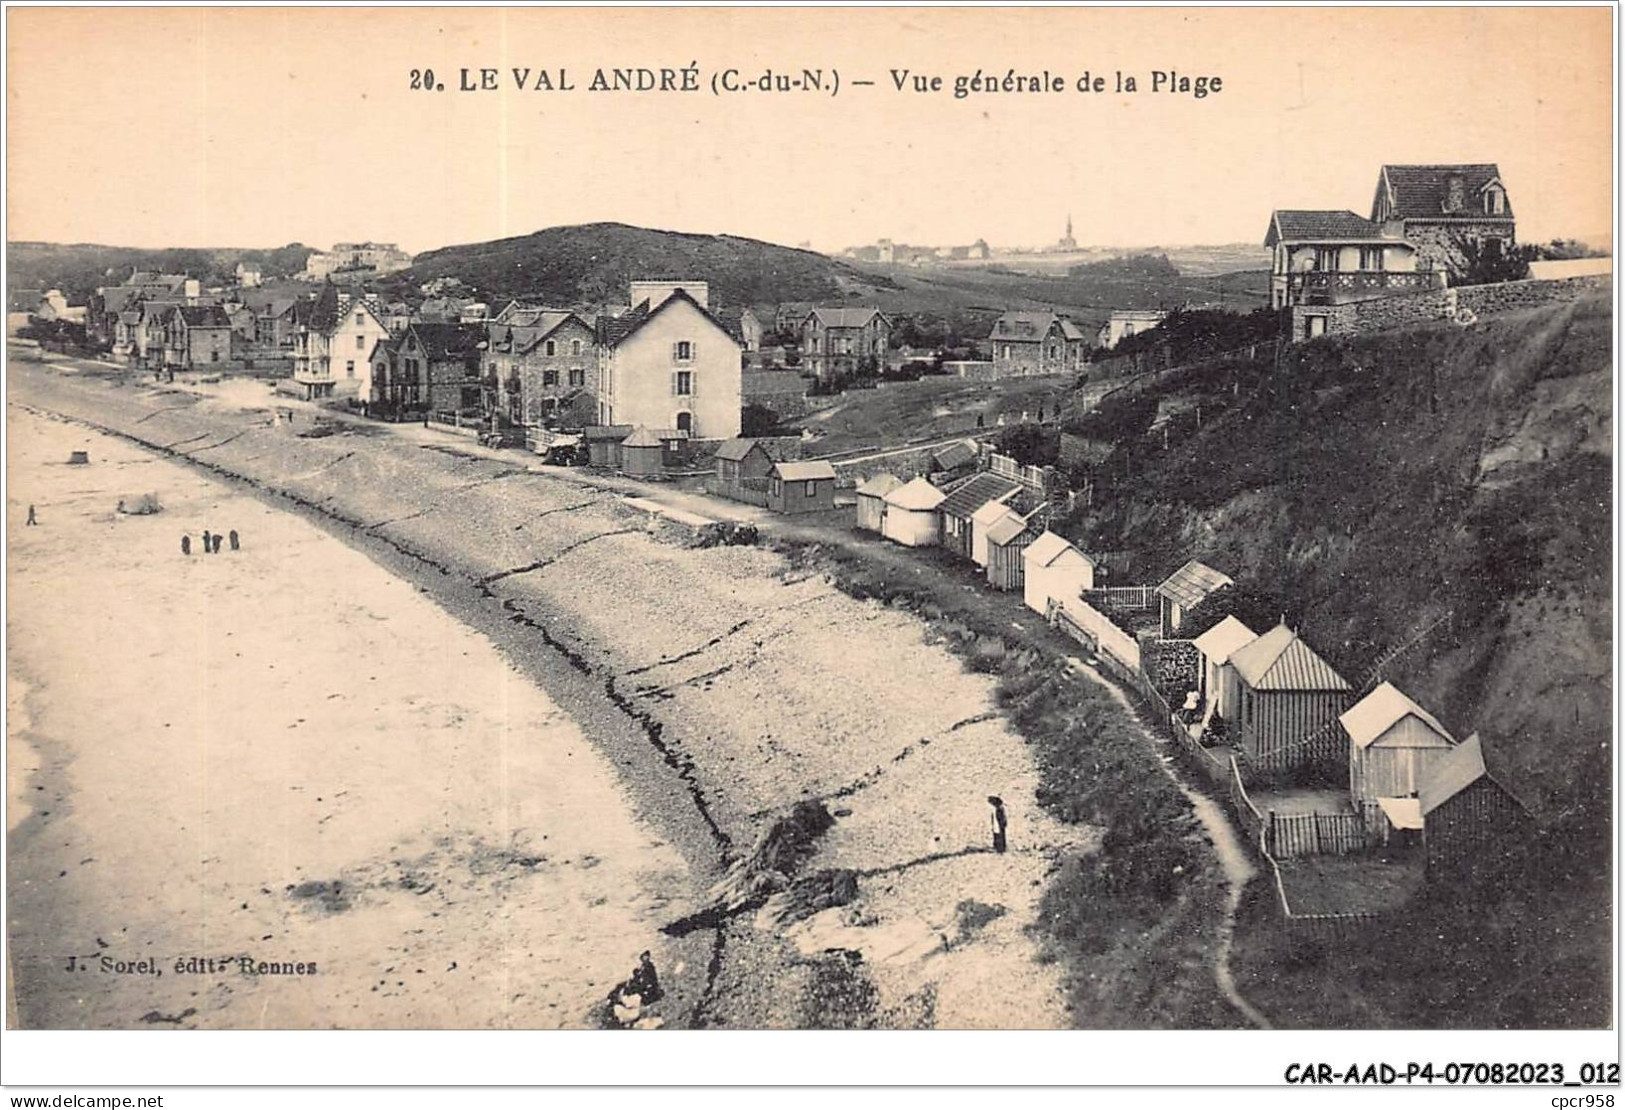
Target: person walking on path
[999, 822]
[234, 539]
[186, 545]
[31, 518]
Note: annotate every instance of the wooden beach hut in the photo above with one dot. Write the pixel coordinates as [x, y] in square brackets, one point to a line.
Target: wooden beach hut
[961, 504]
[1393, 744]
[1469, 817]
[1218, 683]
[604, 441]
[739, 459]
[1007, 541]
[801, 487]
[980, 521]
[913, 516]
[1183, 590]
[872, 501]
[1054, 572]
[642, 453]
[1286, 692]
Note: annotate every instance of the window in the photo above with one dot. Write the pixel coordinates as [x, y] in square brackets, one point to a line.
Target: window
[1371, 258]
[578, 376]
[214, 356]
[811, 488]
[575, 347]
[358, 319]
[1326, 258]
[550, 348]
[683, 351]
[1494, 202]
[685, 422]
[349, 368]
[550, 377]
[683, 384]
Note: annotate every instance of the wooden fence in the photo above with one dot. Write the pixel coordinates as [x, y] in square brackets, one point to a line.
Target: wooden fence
[1326, 750]
[1315, 834]
[1125, 597]
[752, 491]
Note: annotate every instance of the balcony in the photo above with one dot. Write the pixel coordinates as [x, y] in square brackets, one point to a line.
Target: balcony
[1345, 286]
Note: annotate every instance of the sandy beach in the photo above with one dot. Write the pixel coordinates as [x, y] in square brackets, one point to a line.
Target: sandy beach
[289, 754]
[722, 685]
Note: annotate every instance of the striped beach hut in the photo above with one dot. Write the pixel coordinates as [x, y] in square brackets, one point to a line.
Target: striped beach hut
[1217, 680]
[872, 501]
[1286, 691]
[1007, 541]
[913, 517]
[1054, 572]
[983, 519]
[1393, 744]
[1469, 816]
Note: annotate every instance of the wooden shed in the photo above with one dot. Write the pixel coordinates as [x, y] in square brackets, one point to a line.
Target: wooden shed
[961, 504]
[1393, 744]
[872, 501]
[801, 487]
[983, 519]
[1286, 691]
[1183, 590]
[1007, 541]
[604, 441]
[913, 516]
[642, 453]
[1469, 817]
[738, 459]
[954, 460]
[1217, 679]
[1054, 572]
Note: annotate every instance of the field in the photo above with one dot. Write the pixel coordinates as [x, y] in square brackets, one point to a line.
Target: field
[898, 413]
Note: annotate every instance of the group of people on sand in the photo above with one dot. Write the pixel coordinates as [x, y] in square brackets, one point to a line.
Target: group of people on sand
[211, 542]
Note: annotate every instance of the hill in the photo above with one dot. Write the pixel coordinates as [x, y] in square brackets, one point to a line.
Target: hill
[79, 268]
[1370, 486]
[592, 263]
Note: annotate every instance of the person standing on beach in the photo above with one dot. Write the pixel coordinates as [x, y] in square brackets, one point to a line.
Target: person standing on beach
[999, 822]
[186, 544]
[31, 519]
[234, 539]
[206, 541]
[218, 540]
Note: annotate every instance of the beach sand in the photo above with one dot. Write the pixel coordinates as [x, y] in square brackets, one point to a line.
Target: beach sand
[287, 753]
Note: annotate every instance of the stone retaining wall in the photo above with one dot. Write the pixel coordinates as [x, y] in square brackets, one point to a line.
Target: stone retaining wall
[1463, 304]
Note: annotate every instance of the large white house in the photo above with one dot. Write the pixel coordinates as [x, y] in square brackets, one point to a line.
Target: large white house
[333, 345]
[670, 364]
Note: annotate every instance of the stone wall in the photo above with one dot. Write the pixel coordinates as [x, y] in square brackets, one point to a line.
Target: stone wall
[1463, 304]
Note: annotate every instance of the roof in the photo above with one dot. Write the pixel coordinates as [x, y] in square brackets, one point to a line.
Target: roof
[204, 316]
[880, 485]
[441, 340]
[817, 471]
[641, 437]
[1419, 192]
[1048, 548]
[1402, 813]
[324, 313]
[955, 455]
[615, 330]
[966, 498]
[1289, 225]
[1381, 710]
[1191, 583]
[1006, 529]
[1280, 660]
[846, 317]
[918, 495]
[1224, 639]
[615, 432]
[734, 450]
[1030, 326]
[991, 513]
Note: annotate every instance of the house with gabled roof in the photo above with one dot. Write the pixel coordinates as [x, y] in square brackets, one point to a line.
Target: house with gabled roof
[1446, 210]
[1394, 745]
[1217, 682]
[839, 342]
[670, 366]
[1468, 811]
[1027, 344]
[333, 340]
[534, 360]
[1333, 256]
[1054, 572]
[801, 487]
[961, 503]
[1185, 589]
[432, 367]
[197, 337]
[1286, 692]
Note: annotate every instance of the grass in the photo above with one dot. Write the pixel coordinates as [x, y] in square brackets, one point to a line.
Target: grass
[1350, 884]
[1130, 923]
[931, 408]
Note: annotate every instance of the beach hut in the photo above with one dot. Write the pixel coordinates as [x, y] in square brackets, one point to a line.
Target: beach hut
[801, 487]
[1007, 540]
[953, 461]
[980, 521]
[739, 459]
[872, 501]
[642, 453]
[604, 441]
[1183, 590]
[1054, 571]
[1468, 814]
[1217, 679]
[913, 516]
[1393, 743]
[1286, 692]
[961, 504]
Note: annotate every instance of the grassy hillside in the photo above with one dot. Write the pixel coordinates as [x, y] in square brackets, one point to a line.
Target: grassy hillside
[591, 264]
[79, 268]
[1374, 484]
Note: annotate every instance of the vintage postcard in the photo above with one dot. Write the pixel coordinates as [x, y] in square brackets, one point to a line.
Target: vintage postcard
[804, 519]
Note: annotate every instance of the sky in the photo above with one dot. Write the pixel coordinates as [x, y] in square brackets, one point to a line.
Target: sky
[260, 127]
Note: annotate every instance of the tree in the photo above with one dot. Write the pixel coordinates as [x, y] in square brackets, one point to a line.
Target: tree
[1487, 261]
[1030, 444]
[758, 420]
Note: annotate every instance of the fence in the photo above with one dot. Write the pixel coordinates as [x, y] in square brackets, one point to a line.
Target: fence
[1315, 834]
[1125, 597]
[1038, 478]
[1324, 751]
[1088, 624]
[750, 491]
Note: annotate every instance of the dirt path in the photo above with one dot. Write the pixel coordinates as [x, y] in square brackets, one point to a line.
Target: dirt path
[1238, 868]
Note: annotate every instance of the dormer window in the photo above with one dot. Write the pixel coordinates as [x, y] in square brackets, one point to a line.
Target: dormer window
[1495, 201]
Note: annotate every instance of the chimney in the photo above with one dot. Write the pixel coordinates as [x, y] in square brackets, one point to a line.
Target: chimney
[1455, 194]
